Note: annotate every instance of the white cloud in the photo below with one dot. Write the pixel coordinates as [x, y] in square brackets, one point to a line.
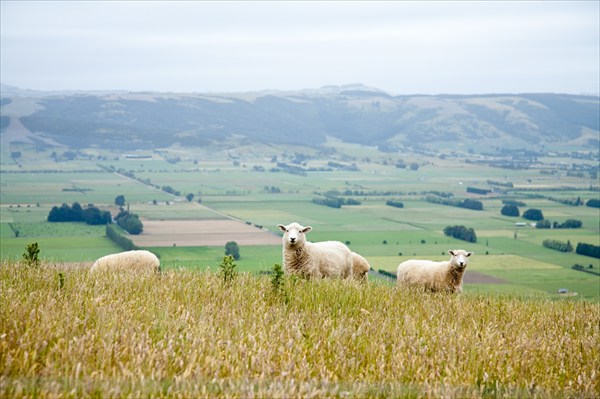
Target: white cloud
[424, 47]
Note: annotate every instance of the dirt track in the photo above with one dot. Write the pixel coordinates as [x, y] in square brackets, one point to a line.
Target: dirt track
[189, 233]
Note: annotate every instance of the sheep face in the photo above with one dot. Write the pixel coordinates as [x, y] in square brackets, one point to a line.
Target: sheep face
[294, 234]
[459, 258]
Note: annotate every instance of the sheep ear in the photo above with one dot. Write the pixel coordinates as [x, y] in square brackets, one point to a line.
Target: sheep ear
[469, 254]
[306, 229]
[282, 227]
[451, 252]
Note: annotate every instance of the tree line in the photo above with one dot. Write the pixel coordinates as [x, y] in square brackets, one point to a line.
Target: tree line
[335, 202]
[581, 249]
[460, 203]
[92, 215]
[461, 232]
[75, 213]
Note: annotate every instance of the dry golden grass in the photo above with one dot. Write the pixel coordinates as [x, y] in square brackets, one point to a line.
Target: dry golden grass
[186, 334]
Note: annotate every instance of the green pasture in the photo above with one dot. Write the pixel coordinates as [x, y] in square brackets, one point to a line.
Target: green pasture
[176, 210]
[60, 248]
[253, 258]
[228, 186]
[58, 188]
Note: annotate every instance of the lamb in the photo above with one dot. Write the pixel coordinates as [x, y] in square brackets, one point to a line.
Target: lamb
[137, 261]
[435, 276]
[321, 259]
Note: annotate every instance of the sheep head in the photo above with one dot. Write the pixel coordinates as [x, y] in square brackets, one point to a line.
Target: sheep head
[294, 234]
[459, 258]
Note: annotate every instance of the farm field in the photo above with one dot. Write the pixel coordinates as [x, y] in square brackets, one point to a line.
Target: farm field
[204, 233]
[247, 198]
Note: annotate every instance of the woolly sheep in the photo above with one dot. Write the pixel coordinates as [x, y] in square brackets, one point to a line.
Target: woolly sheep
[435, 276]
[321, 259]
[137, 261]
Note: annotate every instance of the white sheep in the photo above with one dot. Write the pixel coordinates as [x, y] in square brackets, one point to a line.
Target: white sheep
[321, 259]
[360, 267]
[136, 261]
[435, 276]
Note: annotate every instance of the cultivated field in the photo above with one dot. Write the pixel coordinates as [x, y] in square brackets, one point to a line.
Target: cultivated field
[244, 195]
[208, 233]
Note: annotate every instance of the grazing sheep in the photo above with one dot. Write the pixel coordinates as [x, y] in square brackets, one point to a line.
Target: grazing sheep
[435, 276]
[360, 267]
[137, 261]
[321, 259]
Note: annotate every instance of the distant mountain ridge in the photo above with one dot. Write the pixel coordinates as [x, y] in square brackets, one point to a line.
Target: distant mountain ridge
[352, 113]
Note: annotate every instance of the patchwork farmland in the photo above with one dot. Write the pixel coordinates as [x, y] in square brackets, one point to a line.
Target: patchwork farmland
[242, 199]
[207, 233]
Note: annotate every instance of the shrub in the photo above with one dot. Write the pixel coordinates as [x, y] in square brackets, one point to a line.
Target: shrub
[278, 284]
[30, 256]
[123, 242]
[227, 270]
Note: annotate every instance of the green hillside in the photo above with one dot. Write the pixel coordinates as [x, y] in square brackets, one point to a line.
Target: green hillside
[353, 114]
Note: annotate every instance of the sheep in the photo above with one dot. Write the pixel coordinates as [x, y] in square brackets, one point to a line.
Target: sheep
[136, 261]
[321, 259]
[360, 267]
[435, 276]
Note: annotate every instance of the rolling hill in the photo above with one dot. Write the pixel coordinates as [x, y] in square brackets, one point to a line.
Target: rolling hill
[352, 113]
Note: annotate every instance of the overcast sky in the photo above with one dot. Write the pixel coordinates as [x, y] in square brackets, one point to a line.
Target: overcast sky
[401, 47]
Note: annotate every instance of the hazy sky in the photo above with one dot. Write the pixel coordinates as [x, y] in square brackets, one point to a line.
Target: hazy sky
[402, 47]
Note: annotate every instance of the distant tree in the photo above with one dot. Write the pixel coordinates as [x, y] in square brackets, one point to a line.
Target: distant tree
[543, 224]
[69, 155]
[414, 166]
[533, 214]
[472, 204]
[120, 200]
[232, 248]
[171, 190]
[558, 245]
[395, 203]
[510, 210]
[189, 197]
[76, 209]
[95, 216]
[461, 232]
[571, 224]
[588, 250]
[130, 222]
[65, 213]
[594, 203]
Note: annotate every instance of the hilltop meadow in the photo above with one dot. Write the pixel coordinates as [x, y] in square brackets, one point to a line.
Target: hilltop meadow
[67, 333]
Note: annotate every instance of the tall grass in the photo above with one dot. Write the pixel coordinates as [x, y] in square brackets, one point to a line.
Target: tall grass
[67, 333]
